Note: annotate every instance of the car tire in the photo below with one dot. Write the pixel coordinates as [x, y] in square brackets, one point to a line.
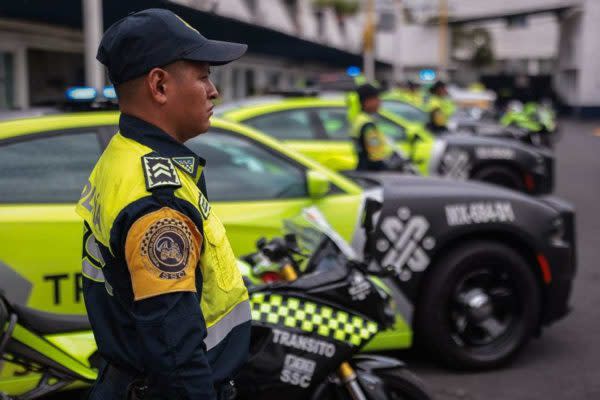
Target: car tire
[479, 306]
[500, 175]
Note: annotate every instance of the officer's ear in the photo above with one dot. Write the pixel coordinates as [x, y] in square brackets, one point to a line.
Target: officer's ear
[156, 81]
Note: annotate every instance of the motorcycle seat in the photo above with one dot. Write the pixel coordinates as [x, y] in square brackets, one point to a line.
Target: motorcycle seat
[48, 323]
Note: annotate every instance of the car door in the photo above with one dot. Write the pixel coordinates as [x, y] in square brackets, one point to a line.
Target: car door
[301, 129]
[40, 233]
[253, 189]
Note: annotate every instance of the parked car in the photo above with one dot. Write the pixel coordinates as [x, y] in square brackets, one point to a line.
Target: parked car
[318, 127]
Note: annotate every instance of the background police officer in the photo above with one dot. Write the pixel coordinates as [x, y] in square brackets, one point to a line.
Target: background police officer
[440, 107]
[373, 149]
[166, 301]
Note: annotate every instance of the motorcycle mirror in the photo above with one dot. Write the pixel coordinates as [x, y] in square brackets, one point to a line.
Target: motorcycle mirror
[291, 240]
[260, 243]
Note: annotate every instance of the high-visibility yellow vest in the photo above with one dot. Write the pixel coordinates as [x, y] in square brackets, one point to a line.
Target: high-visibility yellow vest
[117, 181]
[377, 146]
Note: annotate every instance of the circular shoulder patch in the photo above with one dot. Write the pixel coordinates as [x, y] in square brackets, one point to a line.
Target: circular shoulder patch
[166, 244]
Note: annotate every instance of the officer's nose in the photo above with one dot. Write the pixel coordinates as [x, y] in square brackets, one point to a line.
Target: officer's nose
[212, 91]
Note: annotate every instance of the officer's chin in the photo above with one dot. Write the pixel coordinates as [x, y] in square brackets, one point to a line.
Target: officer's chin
[203, 128]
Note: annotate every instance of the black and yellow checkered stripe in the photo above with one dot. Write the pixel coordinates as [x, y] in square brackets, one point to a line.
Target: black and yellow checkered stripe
[312, 317]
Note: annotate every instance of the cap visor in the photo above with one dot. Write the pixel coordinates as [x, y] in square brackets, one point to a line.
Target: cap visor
[216, 52]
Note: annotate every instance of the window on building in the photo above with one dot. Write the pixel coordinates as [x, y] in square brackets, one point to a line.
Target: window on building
[250, 83]
[285, 125]
[50, 73]
[320, 17]
[6, 80]
[47, 169]
[238, 169]
[252, 6]
[292, 8]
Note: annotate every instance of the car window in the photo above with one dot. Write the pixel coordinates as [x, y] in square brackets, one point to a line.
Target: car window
[335, 123]
[238, 169]
[285, 125]
[406, 111]
[49, 168]
[391, 129]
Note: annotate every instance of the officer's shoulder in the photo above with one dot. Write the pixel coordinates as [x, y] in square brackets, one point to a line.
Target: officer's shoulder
[159, 172]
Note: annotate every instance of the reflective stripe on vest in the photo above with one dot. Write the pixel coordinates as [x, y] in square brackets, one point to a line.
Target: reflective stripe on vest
[220, 330]
[91, 272]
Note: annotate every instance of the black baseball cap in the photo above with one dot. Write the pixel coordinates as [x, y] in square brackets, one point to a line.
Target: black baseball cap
[366, 91]
[156, 37]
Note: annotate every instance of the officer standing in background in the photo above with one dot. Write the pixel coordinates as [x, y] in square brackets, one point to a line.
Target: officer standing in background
[373, 149]
[440, 107]
[166, 302]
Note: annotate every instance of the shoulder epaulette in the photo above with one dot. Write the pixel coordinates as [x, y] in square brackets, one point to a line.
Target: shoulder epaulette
[159, 172]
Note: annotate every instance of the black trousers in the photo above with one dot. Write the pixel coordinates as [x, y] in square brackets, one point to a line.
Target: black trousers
[115, 384]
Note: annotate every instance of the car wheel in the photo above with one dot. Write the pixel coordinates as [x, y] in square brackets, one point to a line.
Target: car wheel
[479, 306]
[500, 175]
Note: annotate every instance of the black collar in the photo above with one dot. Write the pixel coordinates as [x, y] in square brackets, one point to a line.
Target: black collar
[160, 142]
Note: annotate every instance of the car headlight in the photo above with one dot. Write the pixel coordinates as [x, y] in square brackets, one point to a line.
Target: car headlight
[540, 165]
[557, 232]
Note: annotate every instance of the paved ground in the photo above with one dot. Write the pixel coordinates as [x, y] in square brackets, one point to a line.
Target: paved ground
[564, 363]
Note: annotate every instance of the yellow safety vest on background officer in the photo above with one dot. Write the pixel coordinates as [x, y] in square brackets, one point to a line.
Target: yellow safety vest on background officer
[440, 107]
[372, 147]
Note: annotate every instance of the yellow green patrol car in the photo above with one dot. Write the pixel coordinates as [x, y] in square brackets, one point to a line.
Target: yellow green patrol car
[318, 127]
[429, 230]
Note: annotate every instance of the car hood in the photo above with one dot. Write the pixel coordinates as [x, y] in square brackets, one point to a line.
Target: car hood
[461, 140]
[397, 186]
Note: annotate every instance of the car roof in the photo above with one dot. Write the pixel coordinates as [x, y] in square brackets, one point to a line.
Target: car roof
[242, 110]
[269, 104]
[39, 124]
[274, 98]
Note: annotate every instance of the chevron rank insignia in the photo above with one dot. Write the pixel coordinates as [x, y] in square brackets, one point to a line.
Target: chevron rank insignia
[159, 172]
[204, 206]
[188, 164]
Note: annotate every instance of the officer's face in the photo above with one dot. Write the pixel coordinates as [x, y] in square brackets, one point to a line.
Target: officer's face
[190, 100]
[372, 104]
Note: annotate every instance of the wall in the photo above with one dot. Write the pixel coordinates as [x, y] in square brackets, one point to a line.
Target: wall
[588, 58]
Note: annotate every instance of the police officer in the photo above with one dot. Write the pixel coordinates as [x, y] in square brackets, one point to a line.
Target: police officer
[165, 299]
[373, 149]
[440, 107]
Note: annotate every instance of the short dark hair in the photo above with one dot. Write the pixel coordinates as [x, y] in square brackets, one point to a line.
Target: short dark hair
[367, 91]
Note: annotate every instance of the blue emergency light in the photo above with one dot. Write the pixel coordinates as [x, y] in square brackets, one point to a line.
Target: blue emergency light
[81, 93]
[353, 71]
[427, 75]
[109, 93]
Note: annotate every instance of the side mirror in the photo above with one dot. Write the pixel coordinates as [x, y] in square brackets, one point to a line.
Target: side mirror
[318, 184]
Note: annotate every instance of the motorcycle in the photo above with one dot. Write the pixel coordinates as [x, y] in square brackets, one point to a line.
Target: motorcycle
[319, 316]
[306, 334]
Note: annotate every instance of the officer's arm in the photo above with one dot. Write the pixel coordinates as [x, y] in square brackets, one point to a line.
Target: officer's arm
[162, 251]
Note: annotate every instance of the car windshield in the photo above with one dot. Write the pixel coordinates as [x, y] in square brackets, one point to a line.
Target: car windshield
[406, 111]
